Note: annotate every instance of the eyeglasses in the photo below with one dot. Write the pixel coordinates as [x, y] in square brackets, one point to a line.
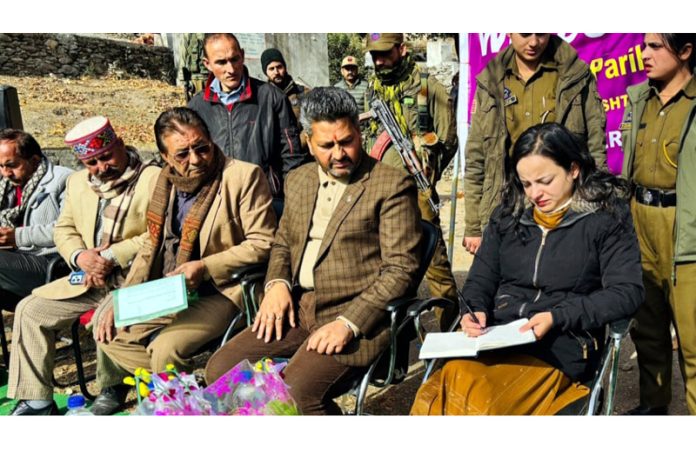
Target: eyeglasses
[200, 150]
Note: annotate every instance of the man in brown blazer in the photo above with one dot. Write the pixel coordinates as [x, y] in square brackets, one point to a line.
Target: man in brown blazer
[100, 229]
[347, 244]
[208, 215]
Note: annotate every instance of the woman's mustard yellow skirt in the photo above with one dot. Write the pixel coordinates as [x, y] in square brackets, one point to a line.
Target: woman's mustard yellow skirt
[497, 385]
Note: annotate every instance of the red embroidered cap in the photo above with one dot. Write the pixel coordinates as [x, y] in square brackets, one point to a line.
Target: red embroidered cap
[91, 137]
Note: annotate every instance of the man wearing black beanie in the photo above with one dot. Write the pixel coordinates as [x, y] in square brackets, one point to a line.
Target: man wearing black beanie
[273, 65]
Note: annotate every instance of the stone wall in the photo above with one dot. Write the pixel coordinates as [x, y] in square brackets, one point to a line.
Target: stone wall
[69, 55]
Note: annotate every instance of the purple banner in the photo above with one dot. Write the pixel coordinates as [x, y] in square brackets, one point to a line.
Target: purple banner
[614, 58]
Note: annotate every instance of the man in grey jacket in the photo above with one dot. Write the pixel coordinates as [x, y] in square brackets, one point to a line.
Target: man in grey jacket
[31, 196]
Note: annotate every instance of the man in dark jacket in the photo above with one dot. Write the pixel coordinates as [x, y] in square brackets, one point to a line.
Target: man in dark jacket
[248, 119]
[539, 78]
[274, 66]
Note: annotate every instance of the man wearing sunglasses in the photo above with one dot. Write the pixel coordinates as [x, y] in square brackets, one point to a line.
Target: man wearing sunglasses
[538, 78]
[100, 229]
[208, 215]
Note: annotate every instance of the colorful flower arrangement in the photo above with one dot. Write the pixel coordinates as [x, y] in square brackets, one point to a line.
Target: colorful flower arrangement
[245, 390]
[169, 393]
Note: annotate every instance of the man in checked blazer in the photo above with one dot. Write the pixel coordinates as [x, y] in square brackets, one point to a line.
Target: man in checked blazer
[347, 244]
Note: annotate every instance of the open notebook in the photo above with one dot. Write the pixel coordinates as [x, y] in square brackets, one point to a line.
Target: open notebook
[450, 345]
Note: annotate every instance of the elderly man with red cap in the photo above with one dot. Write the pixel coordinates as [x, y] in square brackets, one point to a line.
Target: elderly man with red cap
[99, 231]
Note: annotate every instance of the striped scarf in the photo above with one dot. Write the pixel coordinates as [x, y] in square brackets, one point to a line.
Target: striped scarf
[12, 217]
[120, 193]
[207, 186]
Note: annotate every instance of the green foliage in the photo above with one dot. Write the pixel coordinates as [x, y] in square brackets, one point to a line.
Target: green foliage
[341, 45]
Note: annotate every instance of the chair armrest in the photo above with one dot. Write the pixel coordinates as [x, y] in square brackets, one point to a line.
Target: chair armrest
[55, 264]
[399, 304]
[242, 272]
[620, 327]
[423, 305]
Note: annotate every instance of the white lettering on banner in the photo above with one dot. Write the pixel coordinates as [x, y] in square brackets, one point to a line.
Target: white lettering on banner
[616, 102]
[617, 67]
[614, 139]
[567, 37]
[492, 42]
[496, 42]
[570, 37]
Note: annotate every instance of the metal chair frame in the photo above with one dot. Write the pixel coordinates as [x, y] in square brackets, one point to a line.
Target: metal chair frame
[607, 370]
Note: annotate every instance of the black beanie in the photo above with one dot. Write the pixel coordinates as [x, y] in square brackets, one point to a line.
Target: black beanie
[270, 55]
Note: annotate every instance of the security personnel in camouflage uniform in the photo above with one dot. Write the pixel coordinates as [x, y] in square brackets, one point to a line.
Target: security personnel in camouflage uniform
[193, 73]
[538, 78]
[422, 107]
[659, 144]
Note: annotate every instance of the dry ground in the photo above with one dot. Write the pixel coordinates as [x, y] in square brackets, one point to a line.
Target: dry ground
[51, 106]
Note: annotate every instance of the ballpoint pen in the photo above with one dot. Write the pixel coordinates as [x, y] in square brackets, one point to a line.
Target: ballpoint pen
[463, 302]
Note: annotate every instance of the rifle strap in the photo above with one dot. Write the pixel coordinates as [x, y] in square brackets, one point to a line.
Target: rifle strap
[422, 102]
[381, 145]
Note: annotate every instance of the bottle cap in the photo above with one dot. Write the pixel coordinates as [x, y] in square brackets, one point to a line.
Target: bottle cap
[76, 401]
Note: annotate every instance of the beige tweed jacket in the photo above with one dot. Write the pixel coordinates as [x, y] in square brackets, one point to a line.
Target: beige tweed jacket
[369, 254]
[237, 231]
[77, 223]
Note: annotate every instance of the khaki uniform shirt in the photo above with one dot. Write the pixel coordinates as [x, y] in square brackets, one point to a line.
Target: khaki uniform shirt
[329, 194]
[529, 103]
[657, 141]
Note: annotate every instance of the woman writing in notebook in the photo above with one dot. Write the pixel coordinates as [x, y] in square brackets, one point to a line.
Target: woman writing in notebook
[560, 251]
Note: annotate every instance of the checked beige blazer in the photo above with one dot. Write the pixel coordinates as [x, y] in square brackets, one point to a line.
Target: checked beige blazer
[77, 223]
[369, 254]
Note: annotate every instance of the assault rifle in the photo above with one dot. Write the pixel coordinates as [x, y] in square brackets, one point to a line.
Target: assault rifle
[404, 146]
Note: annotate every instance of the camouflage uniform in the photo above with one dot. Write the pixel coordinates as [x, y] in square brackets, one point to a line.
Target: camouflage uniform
[193, 73]
[437, 126]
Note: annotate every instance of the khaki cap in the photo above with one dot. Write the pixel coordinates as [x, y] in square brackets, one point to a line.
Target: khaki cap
[383, 41]
[349, 61]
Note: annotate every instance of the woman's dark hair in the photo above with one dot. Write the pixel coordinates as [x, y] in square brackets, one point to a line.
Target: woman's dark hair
[557, 143]
[676, 42]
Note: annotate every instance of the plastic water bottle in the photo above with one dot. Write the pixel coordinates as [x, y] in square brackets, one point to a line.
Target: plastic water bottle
[76, 406]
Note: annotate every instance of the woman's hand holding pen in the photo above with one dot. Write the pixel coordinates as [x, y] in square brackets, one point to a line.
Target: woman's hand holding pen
[471, 327]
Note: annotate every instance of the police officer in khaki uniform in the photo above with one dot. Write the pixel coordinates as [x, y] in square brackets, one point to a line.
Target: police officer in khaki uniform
[659, 143]
[537, 79]
[422, 107]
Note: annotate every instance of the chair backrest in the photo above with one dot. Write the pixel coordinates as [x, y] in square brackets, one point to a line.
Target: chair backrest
[407, 332]
[427, 244]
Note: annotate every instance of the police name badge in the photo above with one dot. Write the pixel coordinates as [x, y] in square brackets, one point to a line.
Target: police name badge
[626, 125]
[508, 97]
